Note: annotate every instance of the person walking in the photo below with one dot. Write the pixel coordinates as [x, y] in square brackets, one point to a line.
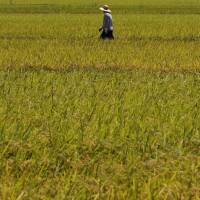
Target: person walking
[107, 27]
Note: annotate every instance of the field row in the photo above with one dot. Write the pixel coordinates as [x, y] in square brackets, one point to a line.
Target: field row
[62, 41]
[100, 2]
[93, 8]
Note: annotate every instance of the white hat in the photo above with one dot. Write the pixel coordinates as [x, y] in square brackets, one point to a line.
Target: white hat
[105, 8]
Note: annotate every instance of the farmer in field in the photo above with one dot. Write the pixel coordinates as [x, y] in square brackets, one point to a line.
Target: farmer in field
[107, 27]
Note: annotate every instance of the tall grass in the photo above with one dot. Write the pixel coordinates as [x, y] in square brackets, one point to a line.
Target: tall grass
[99, 135]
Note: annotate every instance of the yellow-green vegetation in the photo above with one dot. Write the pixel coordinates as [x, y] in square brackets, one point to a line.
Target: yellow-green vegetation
[82, 118]
[99, 135]
[62, 41]
[169, 3]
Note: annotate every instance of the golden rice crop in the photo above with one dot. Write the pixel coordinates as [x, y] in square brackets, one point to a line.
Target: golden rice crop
[82, 118]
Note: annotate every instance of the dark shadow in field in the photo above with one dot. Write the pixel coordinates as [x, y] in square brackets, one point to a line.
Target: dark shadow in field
[92, 69]
[92, 8]
[165, 39]
[69, 69]
[189, 38]
[7, 37]
[49, 38]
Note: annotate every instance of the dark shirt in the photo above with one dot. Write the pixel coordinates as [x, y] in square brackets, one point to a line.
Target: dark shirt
[107, 22]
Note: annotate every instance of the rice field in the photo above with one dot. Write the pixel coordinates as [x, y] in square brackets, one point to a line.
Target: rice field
[82, 118]
[63, 41]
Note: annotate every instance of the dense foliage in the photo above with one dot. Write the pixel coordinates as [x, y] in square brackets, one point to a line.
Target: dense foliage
[86, 119]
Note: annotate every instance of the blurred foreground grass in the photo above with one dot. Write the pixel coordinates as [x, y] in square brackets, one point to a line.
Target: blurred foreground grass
[88, 134]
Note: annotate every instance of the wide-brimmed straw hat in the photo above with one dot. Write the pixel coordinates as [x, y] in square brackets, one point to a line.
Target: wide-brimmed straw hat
[105, 8]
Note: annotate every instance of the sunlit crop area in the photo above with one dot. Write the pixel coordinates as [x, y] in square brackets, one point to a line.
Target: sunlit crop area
[82, 118]
[61, 41]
